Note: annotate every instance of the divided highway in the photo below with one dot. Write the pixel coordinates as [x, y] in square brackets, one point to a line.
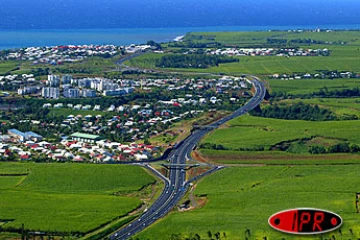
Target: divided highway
[177, 185]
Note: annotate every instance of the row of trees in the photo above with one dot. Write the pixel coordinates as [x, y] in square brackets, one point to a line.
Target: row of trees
[296, 111]
[342, 147]
[192, 61]
[322, 93]
[280, 42]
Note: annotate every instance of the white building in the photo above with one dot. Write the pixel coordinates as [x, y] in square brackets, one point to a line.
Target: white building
[28, 90]
[117, 92]
[53, 81]
[88, 93]
[66, 79]
[50, 92]
[71, 93]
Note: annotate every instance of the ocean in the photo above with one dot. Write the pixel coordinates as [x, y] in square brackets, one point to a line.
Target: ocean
[10, 39]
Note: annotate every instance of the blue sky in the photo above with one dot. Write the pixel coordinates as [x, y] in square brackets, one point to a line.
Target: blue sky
[15, 14]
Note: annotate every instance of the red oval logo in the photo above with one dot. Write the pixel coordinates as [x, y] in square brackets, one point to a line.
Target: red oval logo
[305, 221]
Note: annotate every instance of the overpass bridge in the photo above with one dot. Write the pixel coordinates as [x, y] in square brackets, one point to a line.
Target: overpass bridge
[208, 127]
[181, 166]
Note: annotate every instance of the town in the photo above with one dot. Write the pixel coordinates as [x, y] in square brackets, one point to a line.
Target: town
[102, 120]
[283, 52]
[68, 54]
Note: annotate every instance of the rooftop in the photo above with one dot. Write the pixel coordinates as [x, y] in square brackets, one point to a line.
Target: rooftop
[17, 132]
[85, 135]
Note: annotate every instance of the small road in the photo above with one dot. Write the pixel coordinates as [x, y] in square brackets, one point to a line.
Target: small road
[177, 185]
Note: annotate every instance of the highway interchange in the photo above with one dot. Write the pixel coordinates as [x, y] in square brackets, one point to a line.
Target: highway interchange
[176, 184]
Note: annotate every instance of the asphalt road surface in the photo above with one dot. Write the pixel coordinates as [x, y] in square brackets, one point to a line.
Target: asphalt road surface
[177, 185]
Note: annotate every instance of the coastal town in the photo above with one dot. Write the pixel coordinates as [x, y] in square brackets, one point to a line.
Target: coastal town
[102, 119]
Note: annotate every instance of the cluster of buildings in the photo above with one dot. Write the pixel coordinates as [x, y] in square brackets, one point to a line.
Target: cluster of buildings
[23, 136]
[79, 147]
[269, 52]
[76, 88]
[130, 122]
[60, 54]
[323, 75]
[70, 53]
[137, 48]
[66, 86]
[220, 85]
[14, 80]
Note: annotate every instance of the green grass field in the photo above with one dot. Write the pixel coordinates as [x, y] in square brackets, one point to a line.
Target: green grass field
[240, 198]
[260, 37]
[91, 65]
[271, 65]
[264, 65]
[229, 157]
[144, 61]
[250, 132]
[68, 197]
[305, 86]
[340, 106]
[7, 66]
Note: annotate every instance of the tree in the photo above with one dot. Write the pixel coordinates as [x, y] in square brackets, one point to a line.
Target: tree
[354, 148]
[342, 147]
[146, 140]
[317, 149]
[154, 44]
[175, 236]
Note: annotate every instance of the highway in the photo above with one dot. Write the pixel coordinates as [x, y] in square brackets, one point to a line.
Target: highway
[177, 184]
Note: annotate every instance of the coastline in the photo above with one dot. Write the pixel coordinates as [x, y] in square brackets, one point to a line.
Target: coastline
[179, 38]
[11, 39]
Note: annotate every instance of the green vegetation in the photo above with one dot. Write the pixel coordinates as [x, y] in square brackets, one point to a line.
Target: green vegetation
[343, 45]
[254, 133]
[342, 107]
[94, 179]
[67, 197]
[279, 157]
[245, 197]
[271, 64]
[295, 111]
[308, 86]
[146, 61]
[262, 38]
[7, 66]
[192, 61]
[90, 66]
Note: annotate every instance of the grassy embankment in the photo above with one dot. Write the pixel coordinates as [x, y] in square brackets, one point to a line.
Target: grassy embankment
[68, 197]
[180, 130]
